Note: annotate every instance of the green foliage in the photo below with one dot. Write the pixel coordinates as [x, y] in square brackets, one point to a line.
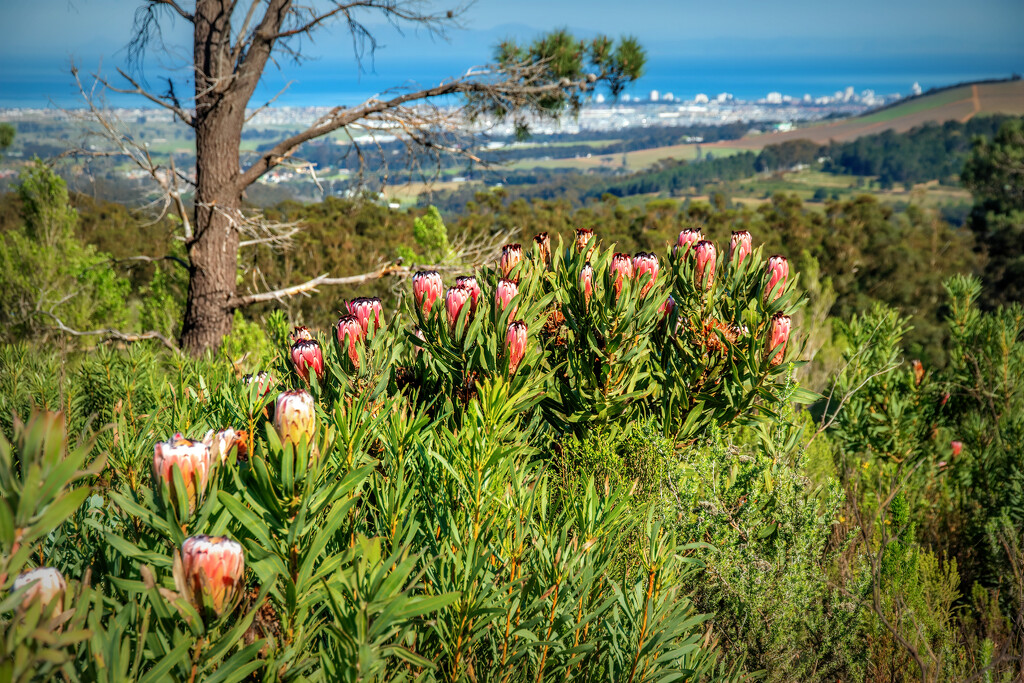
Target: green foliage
[7, 132]
[431, 236]
[248, 348]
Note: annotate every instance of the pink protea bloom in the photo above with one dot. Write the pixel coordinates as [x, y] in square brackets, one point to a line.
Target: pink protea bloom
[780, 329]
[45, 583]
[295, 416]
[365, 309]
[543, 242]
[192, 459]
[470, 283]
[587, 282]
[301, 334]
[515, 344]
[778, 271]
[957, 447]
[503, 295]
[212, 569]
[263, 381]
[667, 308]
[583, 236]
[645, 267]
[426, 288]
[705, 269]
[687, 238]
[454, 301]
[306, 354]
[350, 332]
[740, 246]
[511, 257]
[620, 270]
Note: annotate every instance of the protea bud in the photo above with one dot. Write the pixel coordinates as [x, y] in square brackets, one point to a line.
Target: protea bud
[778, 271]
[705, 270]
[740, 246]
[295, 416]
[687, 238]
[350, 332]
[263, 381]
[454, 301]
[543, 243]
[426, 287]
[301, 334]
[223, 442]
[306, 354]
[583, 236]
[211, 569]
[470, 283]
[956, 446]
[365, 309]
[621, 269]
[587, 282]
[193, 460]
[779, 339]
[511, 257]
[46, 583]
[503, 295]
[645, 267]
[515, 344]
[667, 308]
[918, 368]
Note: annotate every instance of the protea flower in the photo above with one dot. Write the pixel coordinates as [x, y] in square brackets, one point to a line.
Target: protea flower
[470, 283]
[645, 267]
[295, 416]
[621, 269]
[587, 282]
[221, 443]
[511, 257]
[779, 339]
[211, 572]
[956, 446]
[740, 246]
[263, 381]
[778, 271]
[306, 354]
[687, 238]
[543, 243]
[706, 257]
[515, 344]
[667, 308]
[193, 460]
[583, 236]
[426, 287]
[365, 308]
[503, 294]
[350, 332]
[301, 334]
[45, 582]
[454, 301]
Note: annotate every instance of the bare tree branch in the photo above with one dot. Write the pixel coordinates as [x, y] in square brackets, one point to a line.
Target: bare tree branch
[177, 8]
[152, 259]
[173, 106]
[111, 334]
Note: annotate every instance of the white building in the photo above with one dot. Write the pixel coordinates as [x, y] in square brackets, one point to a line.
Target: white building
[774, 98]
[654, 96]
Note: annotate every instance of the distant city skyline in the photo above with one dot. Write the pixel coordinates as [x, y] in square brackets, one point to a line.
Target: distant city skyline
[744, 47]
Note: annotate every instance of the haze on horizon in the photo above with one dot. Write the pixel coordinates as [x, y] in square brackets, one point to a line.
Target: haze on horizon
[742, 46]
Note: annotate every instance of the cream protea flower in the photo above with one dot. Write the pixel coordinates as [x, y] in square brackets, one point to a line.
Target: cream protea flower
[454, 301]
[426, 287]
[620, 270]
[295, 416]
[587, 282]
[511, 257]
[350, 333]
[45, 583]
[778, 271]
[192, 458]
[306, 355]
[687, 238]
[740, 245]
[223, 442]
[780, 329]
[470, 283]
[366, 309]
[301, 334]
[583, 237]
[645, 269]
[705, 269]
[515, 344]
[543, 243]
[263, 381]
[503, 295]
[211, 572]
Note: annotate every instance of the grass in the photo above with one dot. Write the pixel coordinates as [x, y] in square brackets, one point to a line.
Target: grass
[918, 105]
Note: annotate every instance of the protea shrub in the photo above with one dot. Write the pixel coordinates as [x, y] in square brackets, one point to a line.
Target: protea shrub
[366, 309]
[454, 301]
[740, 246]
[582, 238]
[620, 270]
[543, 242]
[778, 272]
[704, 271]
[307, 355]
[263, 380]
[515, 344]
[780, 328]
[211, 571]
[645, 270]
[504, 292]
[587, 282]
[193, 460]
[45, 584]
[349, 332]
[295, 416]
[687, 238]
[427, 286]
[470, 283]
[511, 257]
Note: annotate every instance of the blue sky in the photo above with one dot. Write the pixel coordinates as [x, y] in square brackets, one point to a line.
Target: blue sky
[742, 46]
